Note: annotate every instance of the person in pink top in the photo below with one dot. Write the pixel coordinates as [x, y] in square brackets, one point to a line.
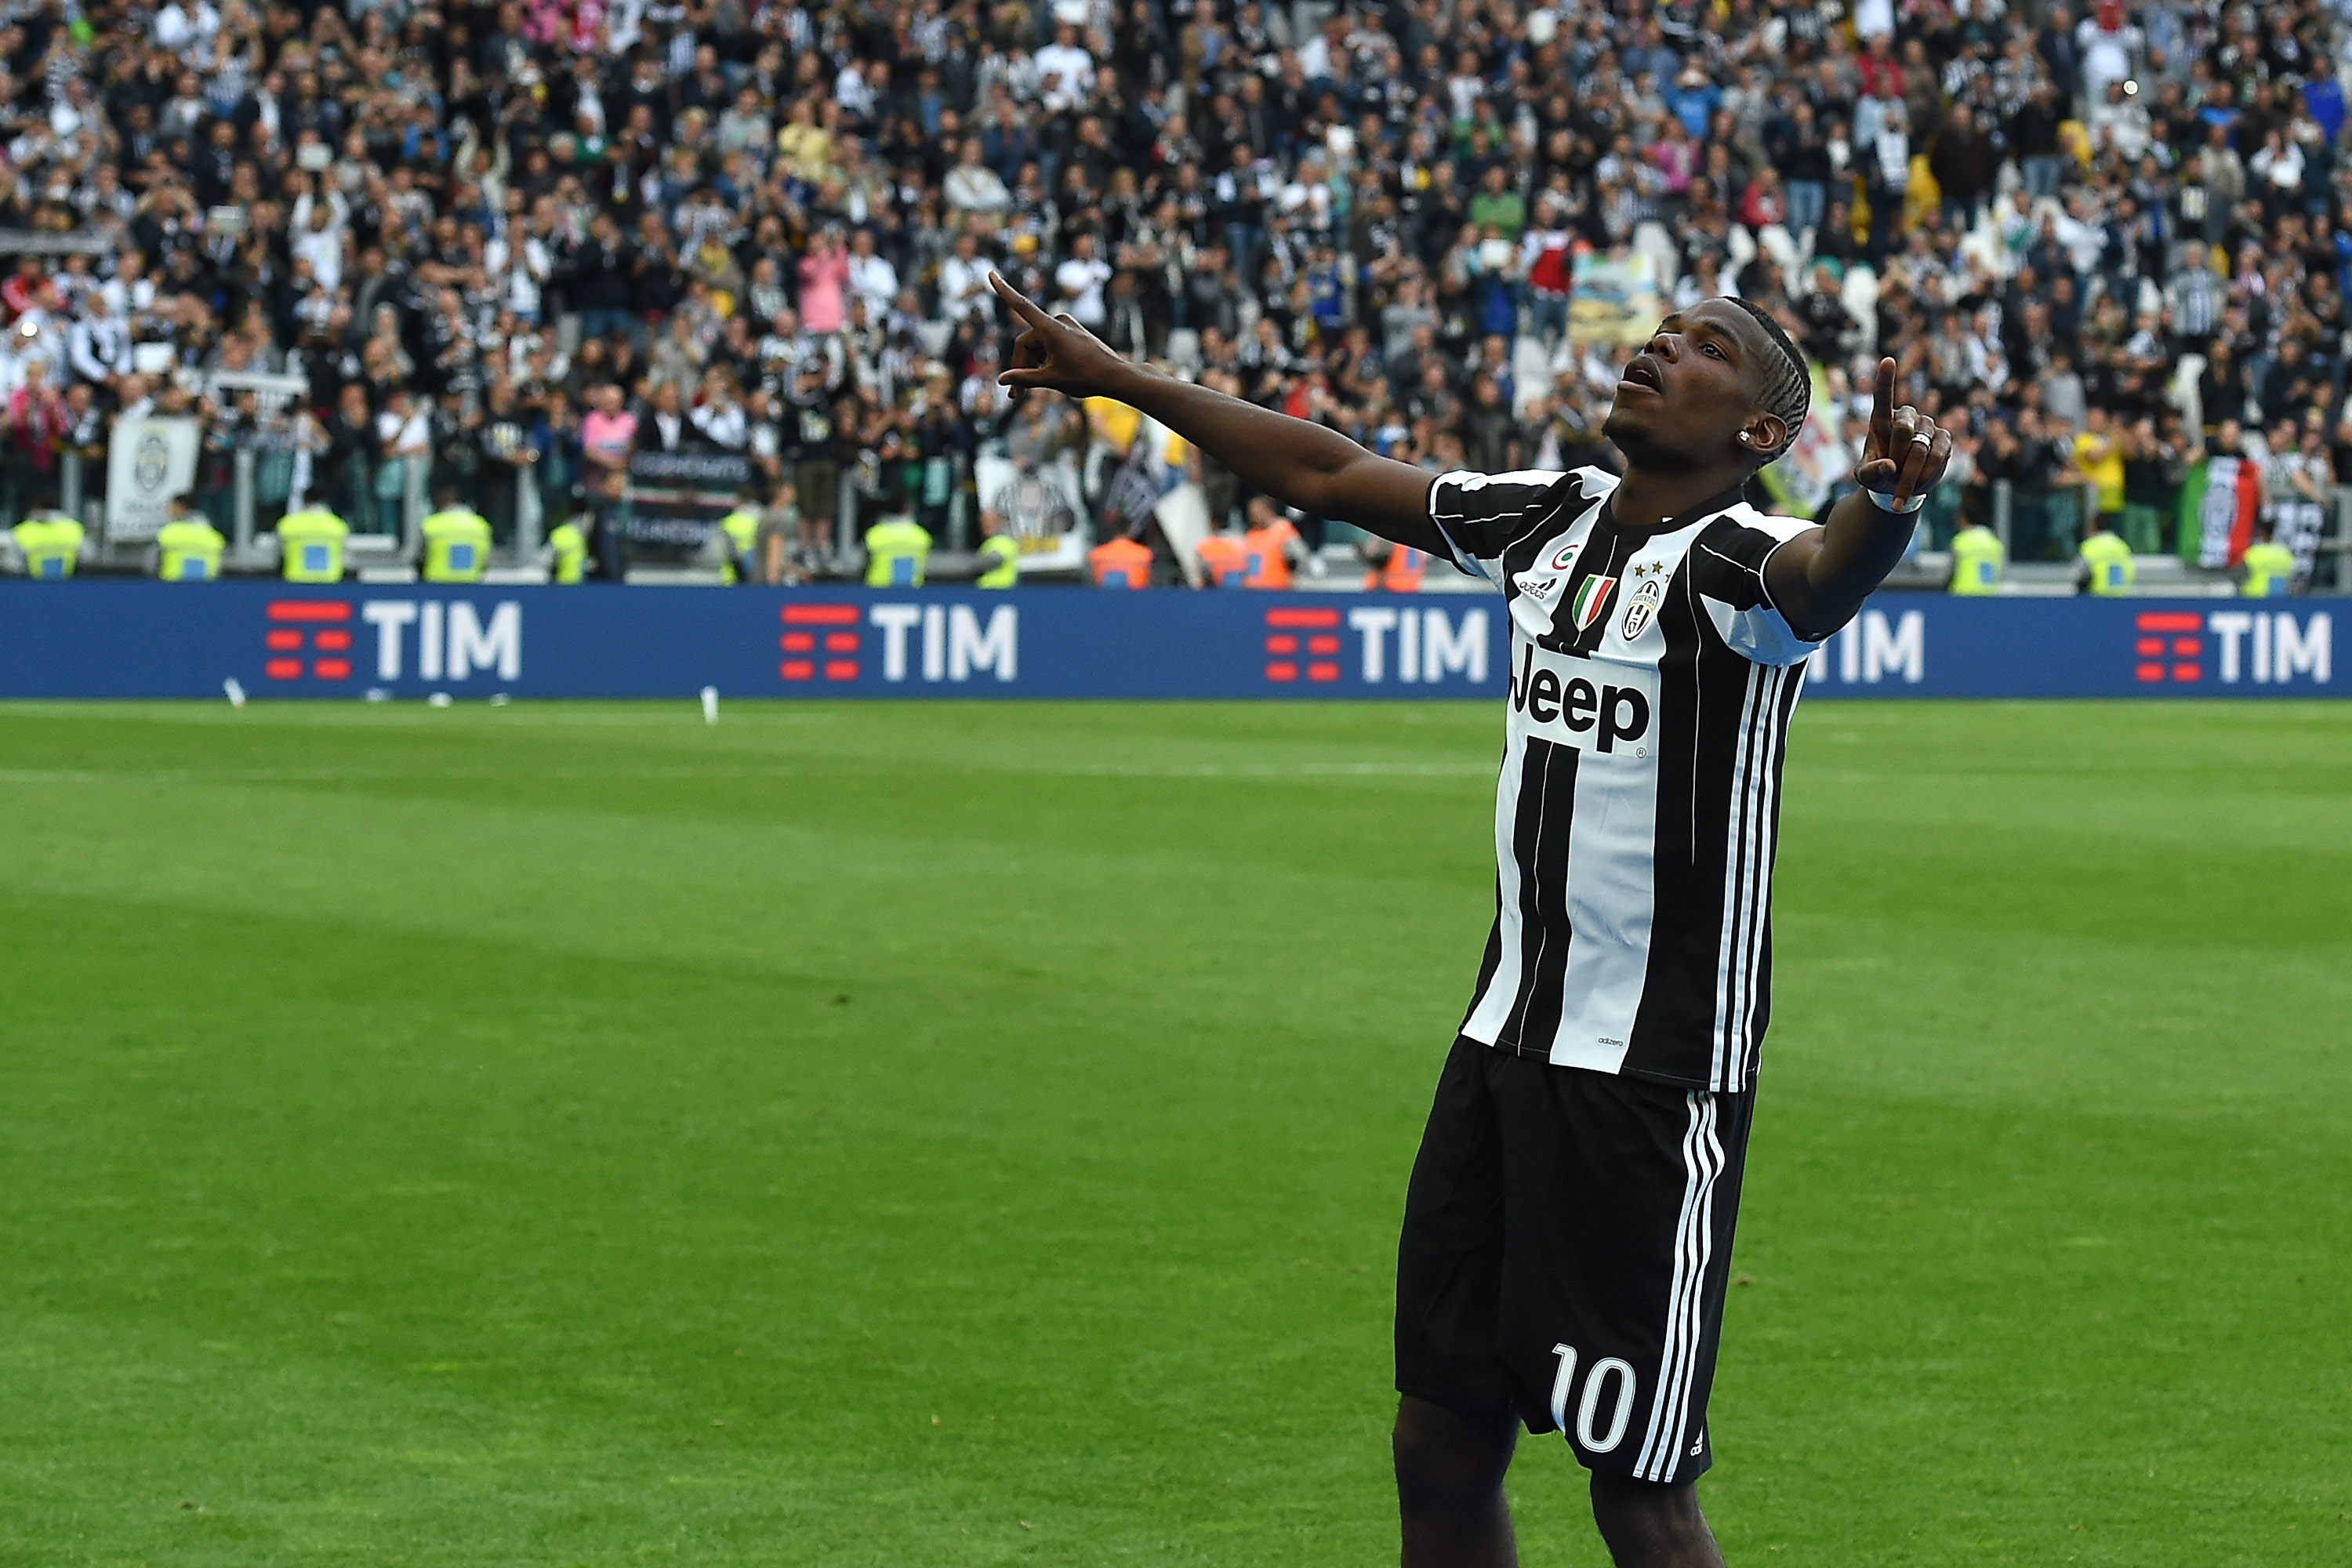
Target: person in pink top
[609, 431]
[1675, 156]
[825, 272]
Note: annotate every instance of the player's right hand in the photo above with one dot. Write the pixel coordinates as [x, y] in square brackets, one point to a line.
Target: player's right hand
[1056, 353]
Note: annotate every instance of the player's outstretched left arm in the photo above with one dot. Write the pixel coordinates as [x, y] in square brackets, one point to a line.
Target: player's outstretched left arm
[1820, 579]
[1296, 462]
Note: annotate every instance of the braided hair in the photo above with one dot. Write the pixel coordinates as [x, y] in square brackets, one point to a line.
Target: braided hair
[1788, 390]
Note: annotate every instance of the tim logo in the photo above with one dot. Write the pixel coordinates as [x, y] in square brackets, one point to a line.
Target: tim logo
[2261, 647]
[1431, 647]
[448, 639]
[452, 641]
[1406, 646]
[1291, 631]
[928, 644]
[808, 626]
[317, 629]
[953, 644]
[1875, 648]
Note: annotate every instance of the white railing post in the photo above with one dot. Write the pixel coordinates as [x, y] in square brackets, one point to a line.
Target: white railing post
[961, 525]
[414, 472]
[241, 506]
[525, 513]
[2340, 543]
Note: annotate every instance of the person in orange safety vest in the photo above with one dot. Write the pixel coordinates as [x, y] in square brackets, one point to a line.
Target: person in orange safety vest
[1224, 564]
[1119, 564]
[1272, 546]
[1395, 568]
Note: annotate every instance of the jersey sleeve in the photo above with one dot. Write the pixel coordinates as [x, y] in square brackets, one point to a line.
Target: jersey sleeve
[1727, 571]
[1478, 515]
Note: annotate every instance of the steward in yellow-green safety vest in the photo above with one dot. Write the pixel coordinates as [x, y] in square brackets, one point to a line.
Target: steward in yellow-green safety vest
[2270, 570]
[457, 544]
[51, 545]
[1001, 560]
[571, 546]
[1976, 560]
[896, 554]
[188, 550]
[311, 545]
[742, 530]
[2109, 564]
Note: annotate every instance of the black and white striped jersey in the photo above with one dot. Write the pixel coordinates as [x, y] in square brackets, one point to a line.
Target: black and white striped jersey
[1652, 681]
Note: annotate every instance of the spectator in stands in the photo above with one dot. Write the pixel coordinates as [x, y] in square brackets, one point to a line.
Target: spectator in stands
[2153, 470]
[1965, 162]
[2098, 456]
[476, 235]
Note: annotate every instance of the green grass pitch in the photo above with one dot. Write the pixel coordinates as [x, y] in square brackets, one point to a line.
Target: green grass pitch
[931, 1136]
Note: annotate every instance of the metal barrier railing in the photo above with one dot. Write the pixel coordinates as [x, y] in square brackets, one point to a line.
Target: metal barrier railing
[249, 518]
[2331, 574]
[251, 485]
[2086, 498]
[2335, 546]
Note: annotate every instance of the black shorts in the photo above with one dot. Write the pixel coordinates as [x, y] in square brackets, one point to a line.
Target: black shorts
[1567, 1245]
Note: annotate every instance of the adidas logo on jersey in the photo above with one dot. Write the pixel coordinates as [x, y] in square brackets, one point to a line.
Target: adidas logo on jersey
[1535, 602]
[1538, 588]
[1582, 702]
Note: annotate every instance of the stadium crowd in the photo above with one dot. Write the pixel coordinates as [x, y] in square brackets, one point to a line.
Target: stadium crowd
[507, 243]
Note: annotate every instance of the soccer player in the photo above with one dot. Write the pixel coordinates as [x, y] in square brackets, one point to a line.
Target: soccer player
[1568, 1225]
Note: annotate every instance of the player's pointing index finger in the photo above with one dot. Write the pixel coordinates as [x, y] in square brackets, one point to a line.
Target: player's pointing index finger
[1022, 304]
[1882, 410]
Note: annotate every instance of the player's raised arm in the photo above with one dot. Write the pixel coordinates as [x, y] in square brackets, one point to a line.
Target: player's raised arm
[1295, 461]
[1820, 579]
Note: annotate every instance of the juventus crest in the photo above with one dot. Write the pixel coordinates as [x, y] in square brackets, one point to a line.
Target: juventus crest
[1648, 592]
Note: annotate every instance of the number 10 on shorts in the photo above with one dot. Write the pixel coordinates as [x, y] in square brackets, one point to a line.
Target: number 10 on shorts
[1607, 1369]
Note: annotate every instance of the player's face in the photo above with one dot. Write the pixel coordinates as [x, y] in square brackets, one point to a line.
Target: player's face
[1685, 398]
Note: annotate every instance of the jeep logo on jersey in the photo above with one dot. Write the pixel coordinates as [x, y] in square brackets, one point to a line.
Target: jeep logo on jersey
[1590, 704]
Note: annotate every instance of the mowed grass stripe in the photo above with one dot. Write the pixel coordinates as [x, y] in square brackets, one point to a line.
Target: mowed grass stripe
[395, 1163]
